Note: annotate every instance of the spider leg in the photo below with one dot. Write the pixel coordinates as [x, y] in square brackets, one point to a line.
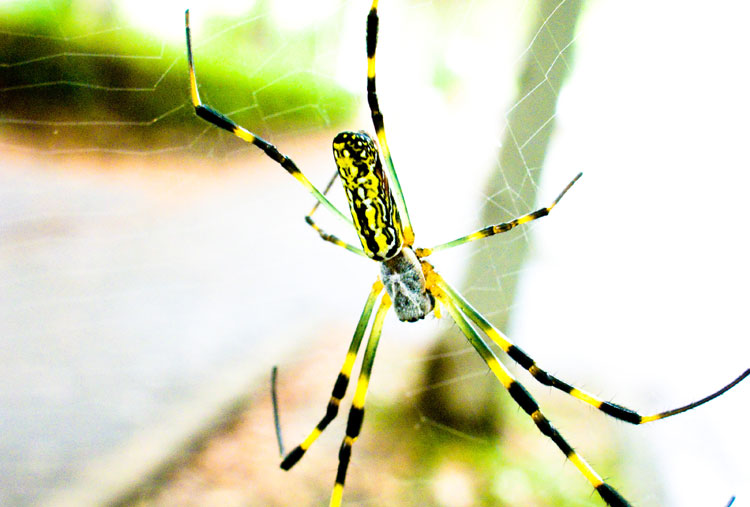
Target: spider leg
[520, 357]
[332, 238]
[491, 230]
[222, 121]
[325, 191]
[275, 404]
[524, 400]
[357, 412]
[339, 388]
[323, 234]
[377, 121]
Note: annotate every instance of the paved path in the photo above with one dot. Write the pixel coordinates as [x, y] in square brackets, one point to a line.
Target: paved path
[134, 304]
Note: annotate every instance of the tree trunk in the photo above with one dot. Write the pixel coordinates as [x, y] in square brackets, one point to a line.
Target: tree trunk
[497, 261]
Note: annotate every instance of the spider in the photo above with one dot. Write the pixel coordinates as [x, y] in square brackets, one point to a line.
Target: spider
[412, 286]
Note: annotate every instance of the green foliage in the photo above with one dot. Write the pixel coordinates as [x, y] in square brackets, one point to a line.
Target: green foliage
[517, 466]
[64, 66]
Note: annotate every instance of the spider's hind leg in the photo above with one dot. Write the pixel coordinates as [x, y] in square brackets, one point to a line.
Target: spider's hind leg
[222, 121]
[379, 123]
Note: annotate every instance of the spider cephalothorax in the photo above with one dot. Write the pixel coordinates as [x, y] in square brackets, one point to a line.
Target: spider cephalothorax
[404, 280]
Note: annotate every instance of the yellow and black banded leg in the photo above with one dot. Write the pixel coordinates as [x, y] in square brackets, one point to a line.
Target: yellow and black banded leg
[332, 238]
[378, 123]
[357, 412]
[522, 397]
[222, 121]
[323, 234]
[342, 381]
[523, 359]
[498, 228]
[325, 192]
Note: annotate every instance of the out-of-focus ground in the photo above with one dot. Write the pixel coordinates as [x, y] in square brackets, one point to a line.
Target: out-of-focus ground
[401, 458]
[131, 295]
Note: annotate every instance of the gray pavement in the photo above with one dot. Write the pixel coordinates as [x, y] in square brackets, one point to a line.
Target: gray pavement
[135, 304]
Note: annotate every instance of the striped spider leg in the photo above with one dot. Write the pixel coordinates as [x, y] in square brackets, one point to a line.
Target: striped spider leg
[412, 286]
[222, 121]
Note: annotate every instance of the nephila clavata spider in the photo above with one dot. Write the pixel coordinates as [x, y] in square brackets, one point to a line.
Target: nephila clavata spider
[412, 286]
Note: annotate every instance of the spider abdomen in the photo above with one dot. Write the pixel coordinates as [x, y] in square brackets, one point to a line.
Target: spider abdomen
[405, 283]
[374, 211]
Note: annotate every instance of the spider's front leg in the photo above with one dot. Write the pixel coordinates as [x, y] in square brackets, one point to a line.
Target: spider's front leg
[611, 409]
[342, 381]
[357, 411]
[520, 395]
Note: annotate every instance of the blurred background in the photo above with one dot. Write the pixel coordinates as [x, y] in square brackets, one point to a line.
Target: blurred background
[153, 268]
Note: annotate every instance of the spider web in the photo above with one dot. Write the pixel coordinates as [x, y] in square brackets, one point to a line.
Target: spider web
[154, 268]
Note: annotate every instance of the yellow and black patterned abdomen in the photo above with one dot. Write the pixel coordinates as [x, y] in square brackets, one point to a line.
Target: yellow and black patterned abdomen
[374, 212]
